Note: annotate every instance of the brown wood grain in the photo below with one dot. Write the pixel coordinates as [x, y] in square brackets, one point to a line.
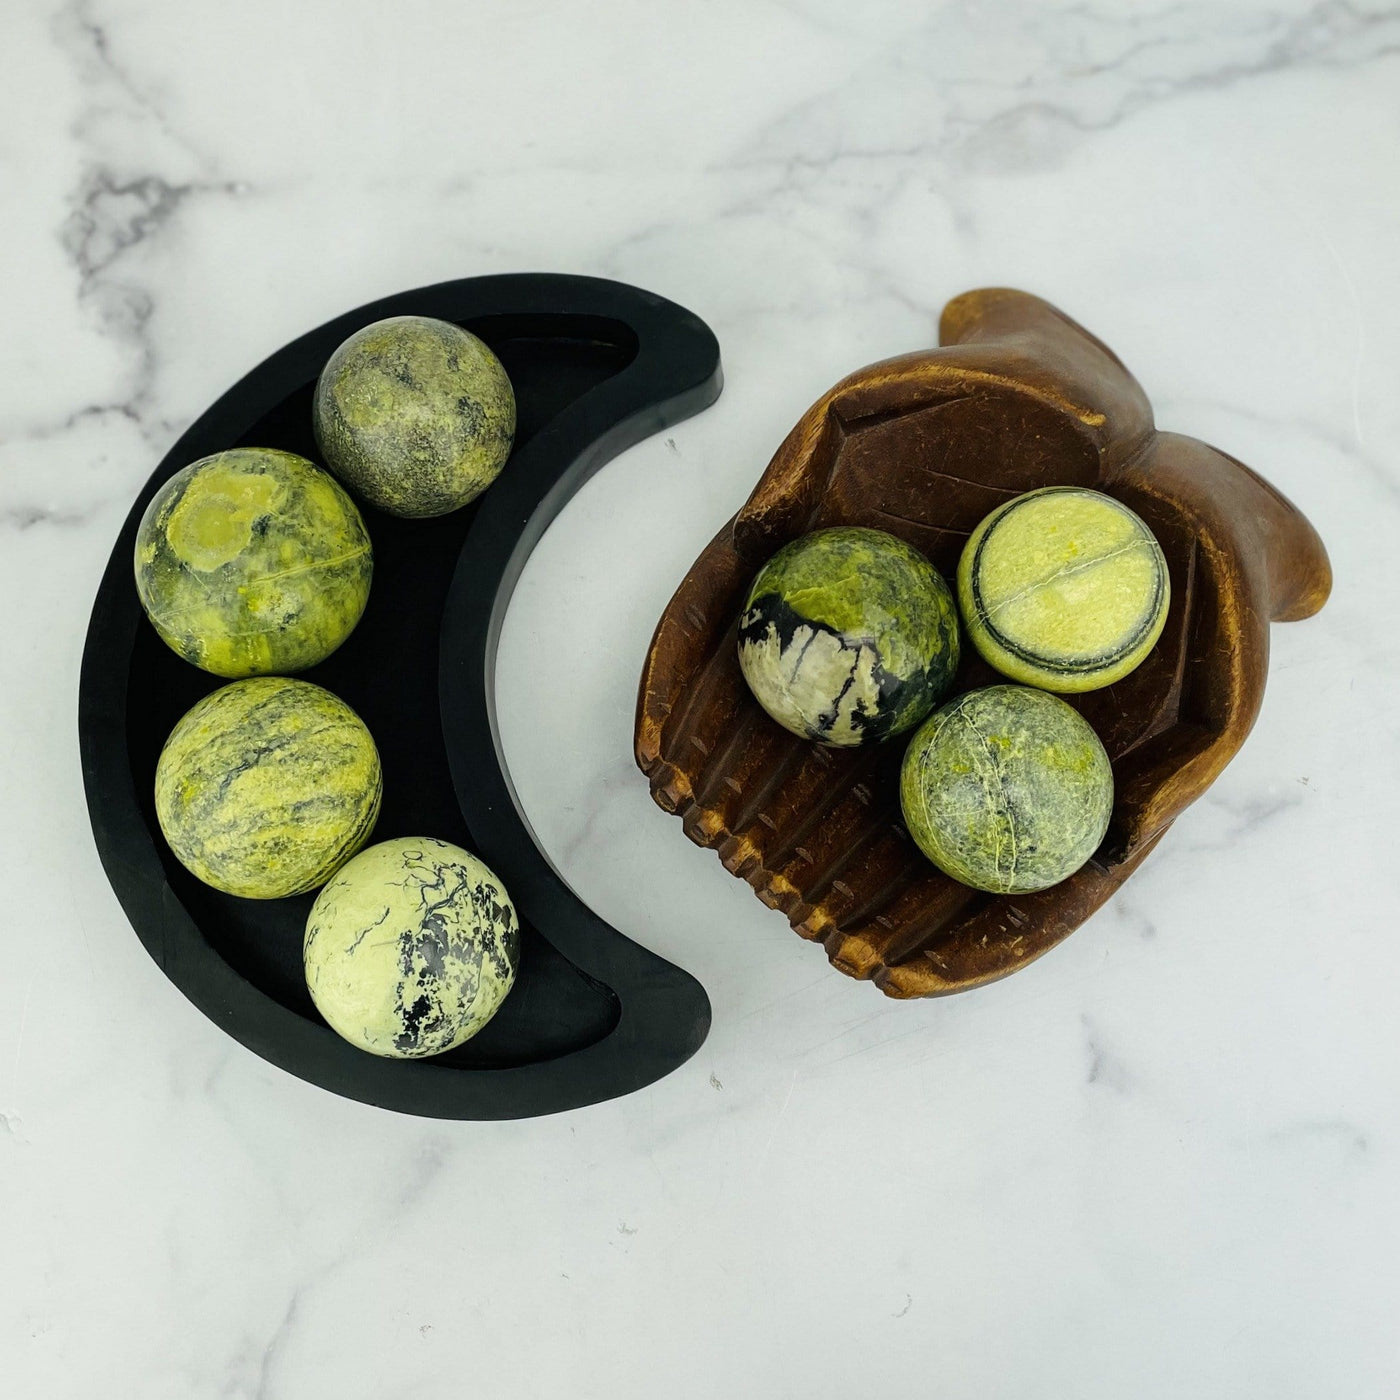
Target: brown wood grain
[1016, 397]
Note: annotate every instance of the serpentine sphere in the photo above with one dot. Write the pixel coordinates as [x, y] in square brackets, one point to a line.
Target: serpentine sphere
[1063, 588]
[848, 636]
[267, 786]
[1007, 789]
[411, 948]
[253, 561]
[415, 414]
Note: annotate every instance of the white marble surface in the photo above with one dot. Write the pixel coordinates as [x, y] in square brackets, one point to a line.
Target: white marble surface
[1162, 1162]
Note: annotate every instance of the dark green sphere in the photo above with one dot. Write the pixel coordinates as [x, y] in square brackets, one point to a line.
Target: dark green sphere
[1007, 789]
[848, 636]
[415, 414]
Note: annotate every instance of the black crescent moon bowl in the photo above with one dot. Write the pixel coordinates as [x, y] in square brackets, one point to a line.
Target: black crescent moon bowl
[596, 366]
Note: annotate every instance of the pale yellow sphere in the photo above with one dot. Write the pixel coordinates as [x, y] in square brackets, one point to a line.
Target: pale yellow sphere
[411, 948]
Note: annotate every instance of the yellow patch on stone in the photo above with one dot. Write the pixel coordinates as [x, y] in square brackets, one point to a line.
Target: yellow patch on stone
[213, 522]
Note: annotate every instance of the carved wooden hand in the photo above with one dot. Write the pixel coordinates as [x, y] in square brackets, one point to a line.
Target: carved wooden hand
[1017, 396]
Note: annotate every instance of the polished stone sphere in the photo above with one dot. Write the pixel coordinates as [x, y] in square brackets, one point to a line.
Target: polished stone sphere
[1007, 789]
[253, 561]
[267, 786]
[411, 948]
[848, 636]
[415, 414]
[1063, 588]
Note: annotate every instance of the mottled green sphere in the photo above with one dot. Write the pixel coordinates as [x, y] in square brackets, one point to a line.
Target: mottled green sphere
[253, 561]
[1007, 789]
[848, 636]
[1063, 588]
[411, 948]
[415, 414]
[267, 786]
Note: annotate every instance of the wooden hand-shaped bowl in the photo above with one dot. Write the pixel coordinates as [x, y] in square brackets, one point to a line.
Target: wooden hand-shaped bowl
[1018, 396]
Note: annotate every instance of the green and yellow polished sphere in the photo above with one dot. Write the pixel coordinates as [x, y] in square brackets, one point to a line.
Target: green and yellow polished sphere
[848, 636]
[1007, 789]
[267, 786]
[1063, 588]
[411, 948]
[253, 562]
[415, 414]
